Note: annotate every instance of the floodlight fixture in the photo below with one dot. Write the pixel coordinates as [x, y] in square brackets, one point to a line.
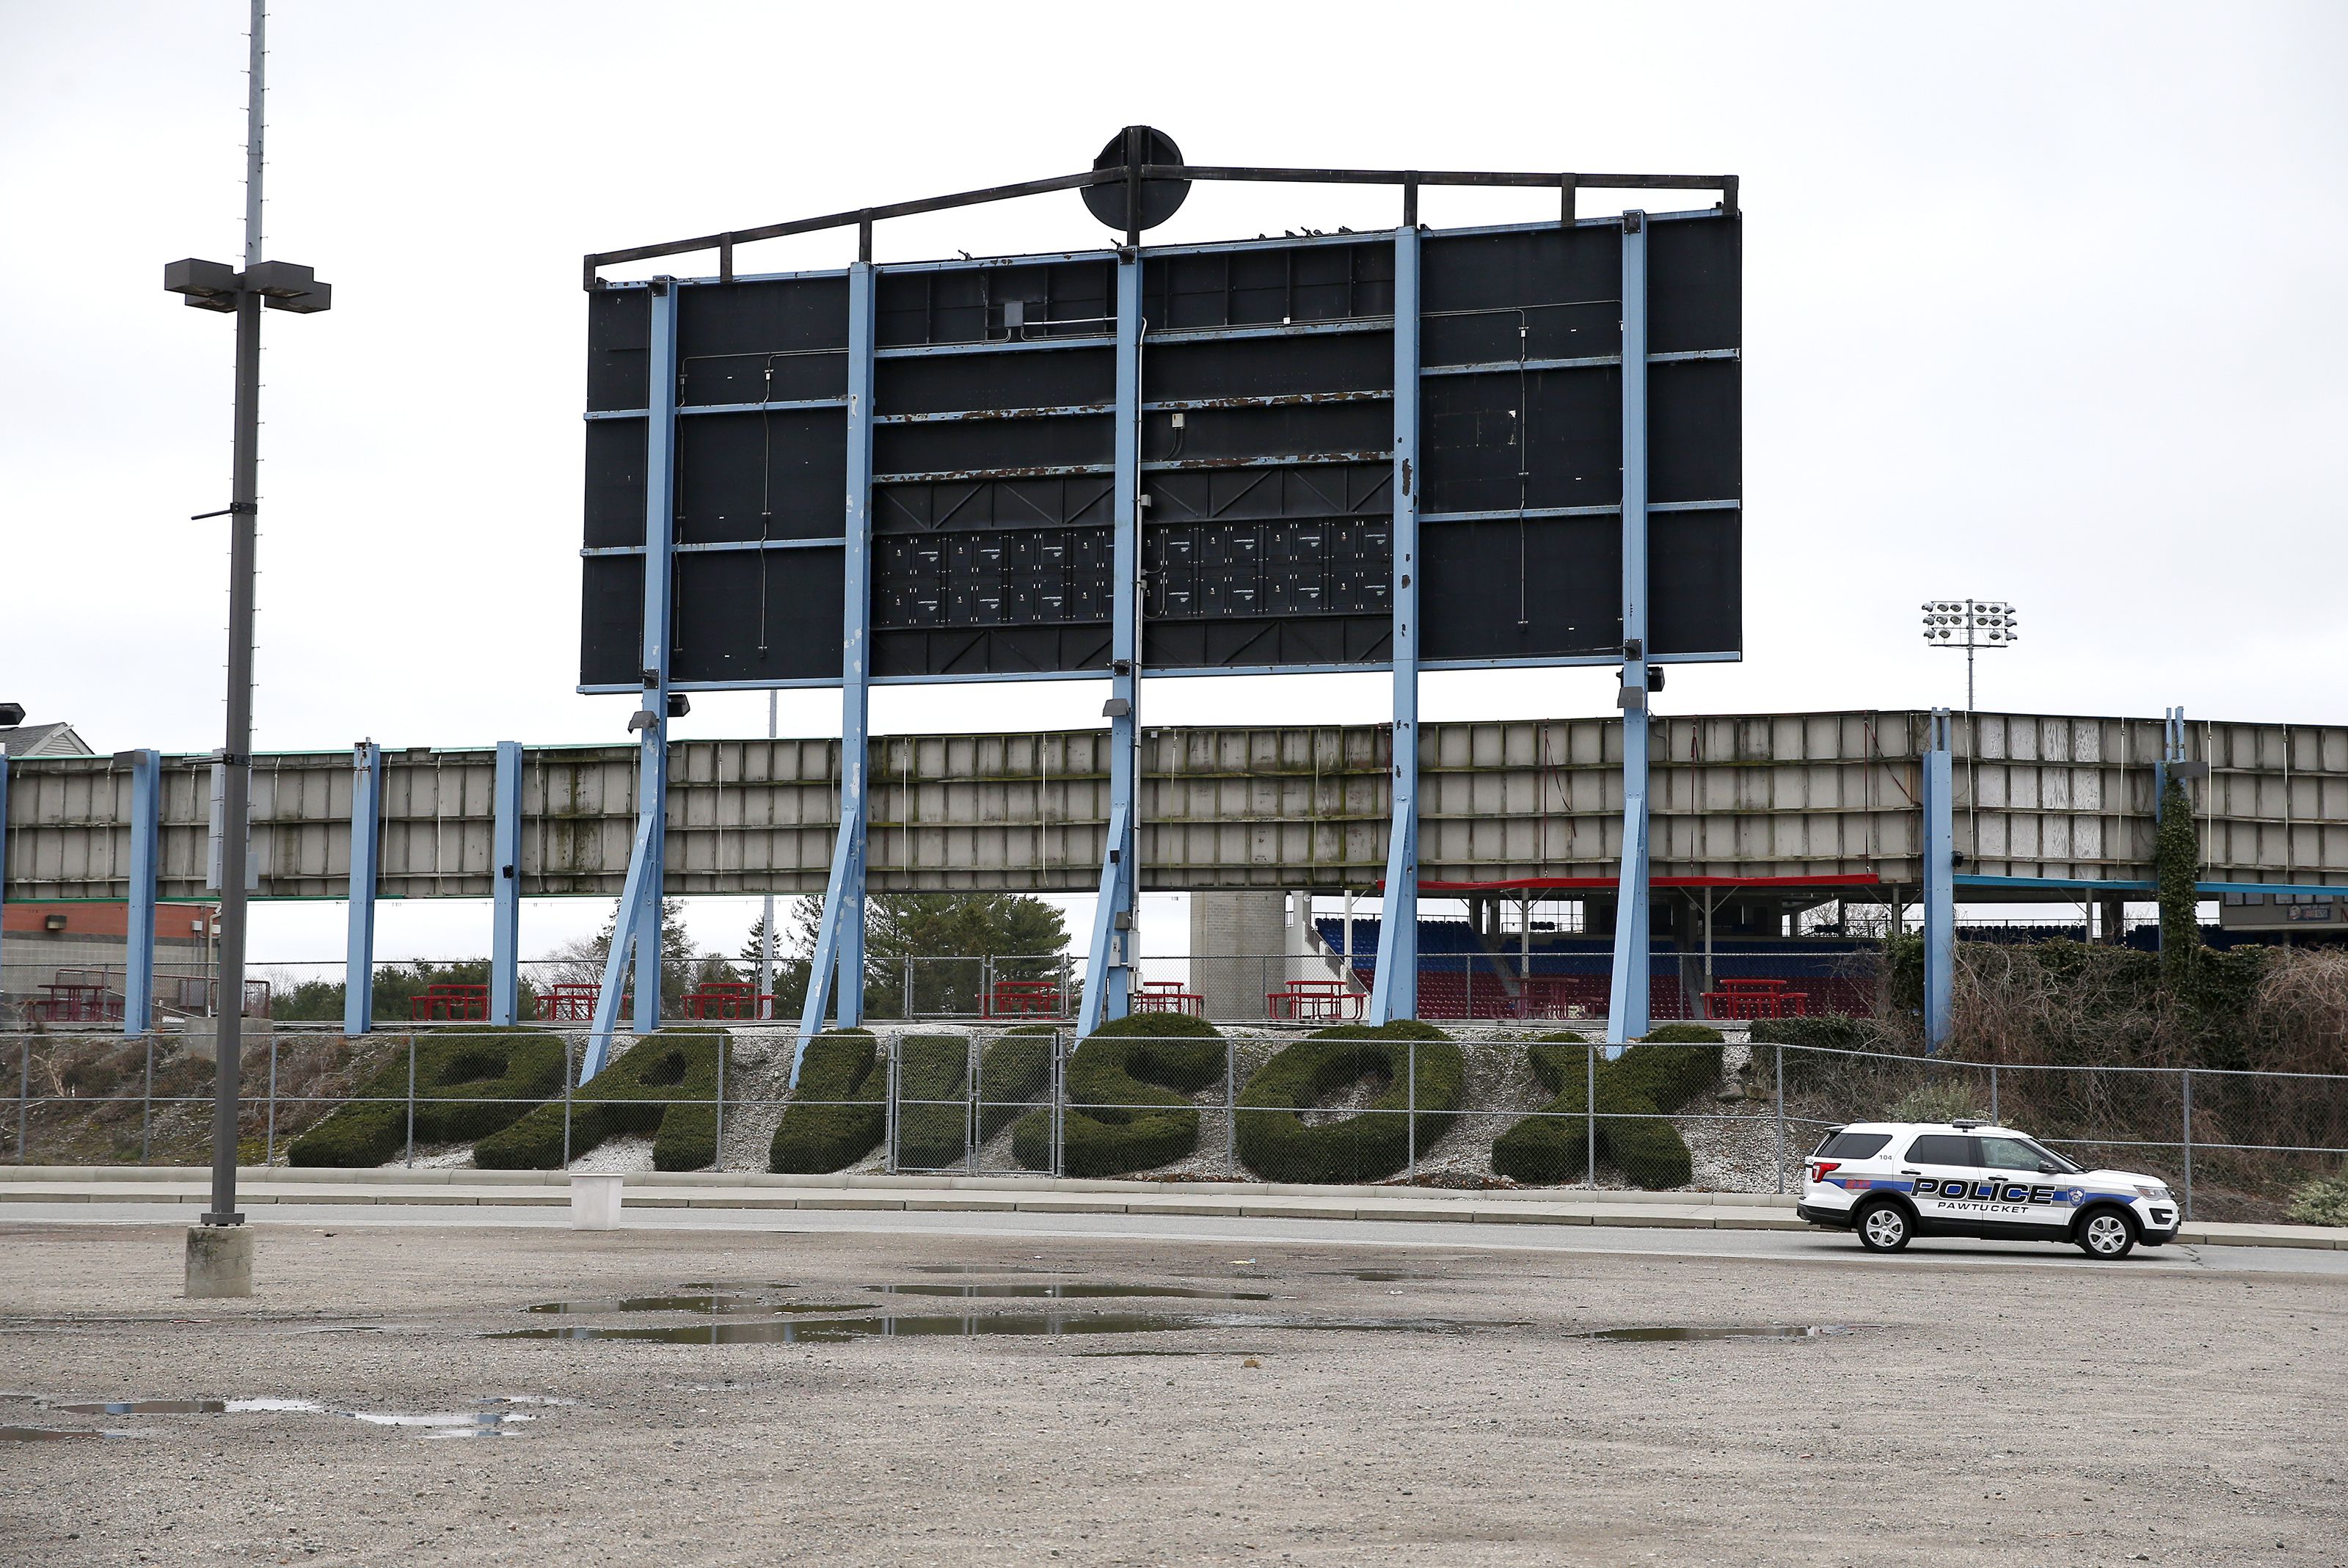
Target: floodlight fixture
[1971, 625]
[216, 285]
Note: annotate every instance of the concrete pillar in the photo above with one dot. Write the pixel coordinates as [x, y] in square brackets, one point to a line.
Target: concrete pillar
[1239, 947]
[219, 1262]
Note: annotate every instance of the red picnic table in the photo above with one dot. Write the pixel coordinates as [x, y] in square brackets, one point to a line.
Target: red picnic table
[1303, 1001]
[1757, 999]
[723, 999]
[451, 1004]
[1022, 999]
[74, 1003]
[570, 1002]
[1167, 997]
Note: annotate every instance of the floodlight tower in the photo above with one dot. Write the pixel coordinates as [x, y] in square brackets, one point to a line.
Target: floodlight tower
[223, 1266]
[1970, 624]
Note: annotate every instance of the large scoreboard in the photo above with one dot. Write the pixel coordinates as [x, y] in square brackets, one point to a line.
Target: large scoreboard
[1266, 435]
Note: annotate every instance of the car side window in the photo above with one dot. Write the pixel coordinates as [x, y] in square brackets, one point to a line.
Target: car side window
[1855, 1145]
[2010, 1154]
[1941, 1149]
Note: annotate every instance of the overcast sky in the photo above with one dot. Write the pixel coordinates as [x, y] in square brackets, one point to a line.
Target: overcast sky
[2043, 303]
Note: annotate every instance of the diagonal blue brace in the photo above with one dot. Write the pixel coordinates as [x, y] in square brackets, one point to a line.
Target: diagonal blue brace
[505, 857]
[1628, 1009]
[145, 835]
[1939, 880]
[366, 842]
[1116, 935]
[1393, 990]
[615, 967]
[837, 969]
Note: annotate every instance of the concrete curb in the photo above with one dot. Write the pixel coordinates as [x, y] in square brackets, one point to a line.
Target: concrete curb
[1032, 1196]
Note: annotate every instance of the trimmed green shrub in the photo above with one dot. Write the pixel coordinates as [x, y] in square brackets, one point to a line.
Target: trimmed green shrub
[1128, 1098]
[470, 1083]
[836, 1114]
[1633, 1091]
[1277, 1144]
[1684, 1034]
[932, 1100]
[1014, 1070]
[641, 1092]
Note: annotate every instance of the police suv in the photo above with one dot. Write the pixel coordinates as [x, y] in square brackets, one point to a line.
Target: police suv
[1893, 1182]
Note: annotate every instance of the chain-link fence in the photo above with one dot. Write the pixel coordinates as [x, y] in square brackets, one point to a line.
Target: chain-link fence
[1506, 1110]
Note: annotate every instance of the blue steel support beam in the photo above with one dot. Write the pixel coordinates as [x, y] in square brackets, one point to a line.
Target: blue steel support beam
[1117, 934]
[1939, 880]
[855, 644]
[660, 543]
[615, 966]
[1394, 988]
[838, 971]
[366, 830]
[3, 852]
[146, 834]
[1628, 1011]
[505, 919]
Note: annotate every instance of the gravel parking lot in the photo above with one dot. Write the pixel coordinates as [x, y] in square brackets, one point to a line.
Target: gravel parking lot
[1450, 1404]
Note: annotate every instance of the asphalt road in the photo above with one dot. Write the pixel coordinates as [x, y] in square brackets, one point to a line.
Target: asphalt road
[729, 1388]
[1818, 1247]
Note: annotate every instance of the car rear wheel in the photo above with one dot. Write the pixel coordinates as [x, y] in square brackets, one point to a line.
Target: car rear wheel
[1884, 1227]
[2107, 1235]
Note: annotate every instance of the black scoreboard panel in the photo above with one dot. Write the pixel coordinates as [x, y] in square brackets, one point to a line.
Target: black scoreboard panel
[1266, 447]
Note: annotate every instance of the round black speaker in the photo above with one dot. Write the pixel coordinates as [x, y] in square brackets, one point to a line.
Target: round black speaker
[1160, 199]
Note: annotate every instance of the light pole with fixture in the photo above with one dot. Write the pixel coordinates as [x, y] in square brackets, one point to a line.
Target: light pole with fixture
[1970, 624]
[223, 1266]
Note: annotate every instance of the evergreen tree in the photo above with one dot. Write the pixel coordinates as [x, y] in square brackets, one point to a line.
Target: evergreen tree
[949, 934]
[680, 969]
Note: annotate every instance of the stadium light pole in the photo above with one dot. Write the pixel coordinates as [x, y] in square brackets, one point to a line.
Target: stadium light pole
[216, 1266]
[1972, 625]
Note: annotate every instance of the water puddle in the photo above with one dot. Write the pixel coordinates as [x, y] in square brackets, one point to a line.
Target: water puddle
[493, 1418]
[971, 1268]
[702, 1302]
[1681, 1333]
[706, 1305]
[1071, 1292]
[942, 1325]
[730, 1285]
[1383, 1276]
[48, 1435]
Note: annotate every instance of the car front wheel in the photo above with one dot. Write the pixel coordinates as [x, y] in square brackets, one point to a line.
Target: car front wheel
[2107, 1235]
[1884, 1227]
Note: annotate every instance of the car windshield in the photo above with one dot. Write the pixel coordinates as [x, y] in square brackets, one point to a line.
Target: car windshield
[2006, 1152]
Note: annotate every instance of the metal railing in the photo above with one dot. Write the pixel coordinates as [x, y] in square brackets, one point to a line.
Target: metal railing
[1498, 984]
